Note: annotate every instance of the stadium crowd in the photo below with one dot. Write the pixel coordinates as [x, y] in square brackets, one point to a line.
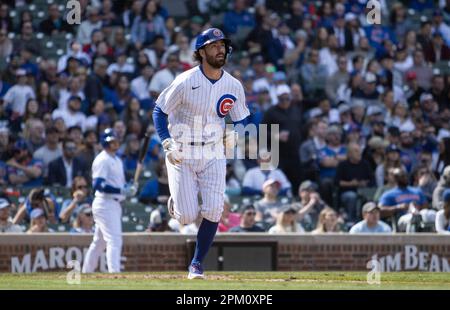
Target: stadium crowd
[363, 109]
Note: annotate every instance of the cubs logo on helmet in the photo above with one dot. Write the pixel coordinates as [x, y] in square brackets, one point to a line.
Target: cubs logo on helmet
[225, 104]
[217, 33]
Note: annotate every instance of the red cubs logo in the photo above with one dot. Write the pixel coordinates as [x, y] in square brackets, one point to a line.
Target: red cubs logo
[217, 33]
[225, 104]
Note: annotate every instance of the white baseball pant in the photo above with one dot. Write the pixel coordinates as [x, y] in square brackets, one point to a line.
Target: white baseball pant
[108, 234]
[192, 176]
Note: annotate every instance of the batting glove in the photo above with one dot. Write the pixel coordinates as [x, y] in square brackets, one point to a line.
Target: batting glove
[174, 155]
[230, 139]
[129, 190]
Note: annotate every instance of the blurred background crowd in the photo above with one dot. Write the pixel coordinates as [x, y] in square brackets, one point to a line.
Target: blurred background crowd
[363, 110]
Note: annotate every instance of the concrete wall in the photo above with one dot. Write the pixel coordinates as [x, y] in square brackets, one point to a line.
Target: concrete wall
[164, 252]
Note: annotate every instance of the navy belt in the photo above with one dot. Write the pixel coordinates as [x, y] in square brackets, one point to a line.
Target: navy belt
[197, 143]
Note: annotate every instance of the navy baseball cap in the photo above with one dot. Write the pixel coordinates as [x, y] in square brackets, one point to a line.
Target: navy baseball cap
[75, 98]
[392, 148]
[20, 145]
[446, 195]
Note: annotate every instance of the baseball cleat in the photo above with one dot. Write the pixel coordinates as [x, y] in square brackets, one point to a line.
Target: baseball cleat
[196, 272]
[170, 207]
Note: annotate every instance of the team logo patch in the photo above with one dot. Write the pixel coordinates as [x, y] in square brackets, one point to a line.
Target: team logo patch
[217, 33]
[225, 104]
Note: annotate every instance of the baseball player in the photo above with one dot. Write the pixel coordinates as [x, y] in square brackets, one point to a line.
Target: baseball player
[199, 97]
[108, 178]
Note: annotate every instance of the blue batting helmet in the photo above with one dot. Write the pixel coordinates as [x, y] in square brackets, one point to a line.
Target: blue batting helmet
[108, 135]
[212, 35]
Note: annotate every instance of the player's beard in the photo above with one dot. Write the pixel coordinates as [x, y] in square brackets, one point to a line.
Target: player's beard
[215, 62]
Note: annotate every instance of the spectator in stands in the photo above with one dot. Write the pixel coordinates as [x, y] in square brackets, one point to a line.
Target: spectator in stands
[164, 77]
[6, 45]
[72, 116]
[396, 202]
[88, 26]
[438, 50]
[17, 96]
[440, 26]
[444, 155]
[130, 155]
[50, 151]
[26, 40]
[6, 225]
[289, 118]
[439, 92]
[286, 222]
[6, 21]
[54, 24]
[140, 85]
[340, 77]
[238, 19]
[233, 187]
[62, 170]
[122, 94]
[248, 223]
[229, 219]
[97, 116]
[121, 66]
[156, 190]
[422, 70]
[96, 80]
[74, 89]
[80, 194]
[309, 150]
[268, 207]
[350, 175]
[89, 149]
[158, 220]
[329, 158]
[38, 222]
[391, 160]
[371, 223]
[424, 179]
[38, 198]
[75, 133]
[255, 177]
[443, 216]
[34, 133]
[310, 205]
[147, 25]
[374, 151]
[442, 185]
[84, 221]
[313, 74]
[22, 169]
[368, 89]
[328, 222]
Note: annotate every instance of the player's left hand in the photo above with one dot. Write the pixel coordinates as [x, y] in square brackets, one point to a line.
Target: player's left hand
[230, 139]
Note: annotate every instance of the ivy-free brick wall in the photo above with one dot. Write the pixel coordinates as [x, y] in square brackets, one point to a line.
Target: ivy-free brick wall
[169, 252]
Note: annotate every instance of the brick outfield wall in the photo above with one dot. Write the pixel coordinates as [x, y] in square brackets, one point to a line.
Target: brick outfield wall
[168, 252]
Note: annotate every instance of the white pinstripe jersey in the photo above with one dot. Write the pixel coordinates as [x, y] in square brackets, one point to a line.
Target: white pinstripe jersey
[192, 99]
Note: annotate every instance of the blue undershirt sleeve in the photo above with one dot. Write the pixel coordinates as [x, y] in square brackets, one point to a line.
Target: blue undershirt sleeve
[161, 124]
[99, 184]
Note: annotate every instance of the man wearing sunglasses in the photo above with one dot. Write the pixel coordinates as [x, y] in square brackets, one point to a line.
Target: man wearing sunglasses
[247, 224]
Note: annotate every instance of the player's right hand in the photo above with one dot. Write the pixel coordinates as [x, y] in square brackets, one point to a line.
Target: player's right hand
[174, 155]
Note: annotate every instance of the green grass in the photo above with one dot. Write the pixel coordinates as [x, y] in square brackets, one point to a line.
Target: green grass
[228, 281]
